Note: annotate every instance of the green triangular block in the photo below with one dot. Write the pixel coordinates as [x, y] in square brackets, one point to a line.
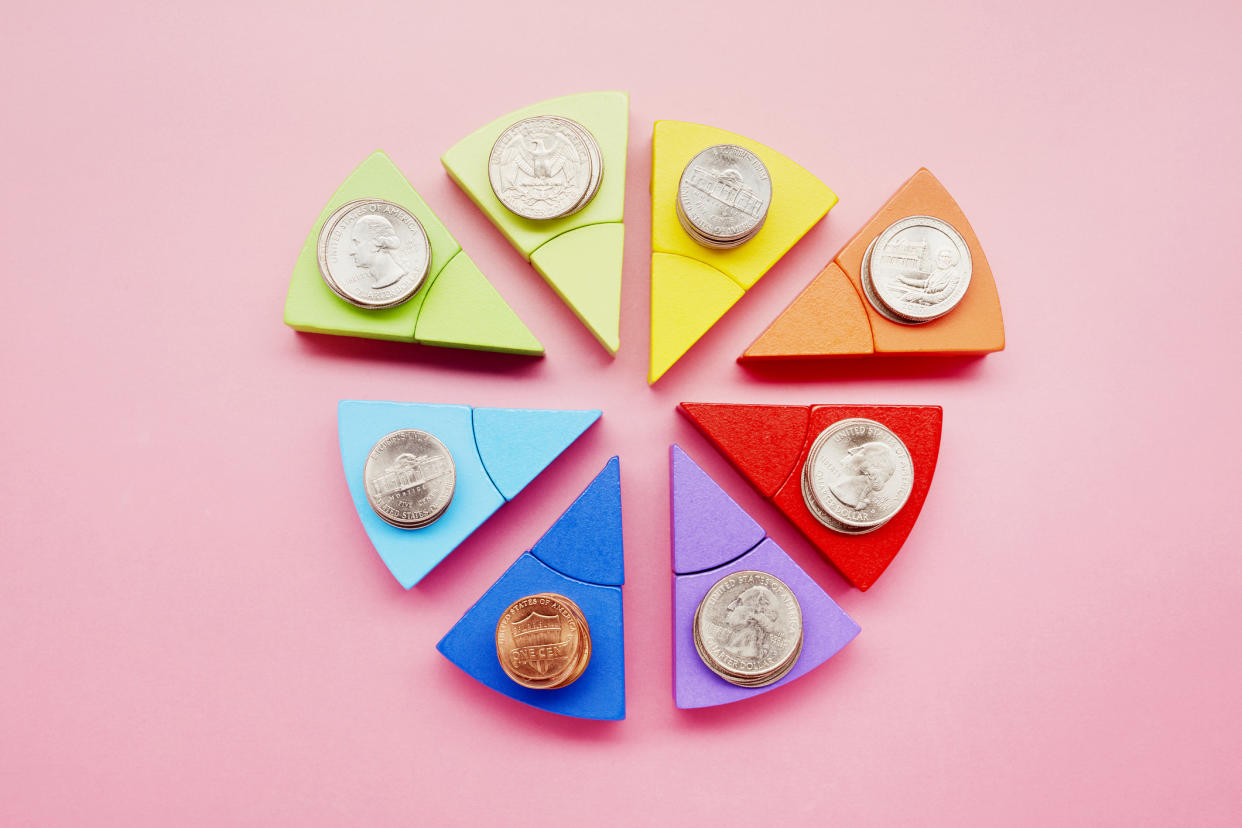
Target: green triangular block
[584, 268]
[311, 306]
[605, 114]
[463, 310]
[590, 285]
[485, 321]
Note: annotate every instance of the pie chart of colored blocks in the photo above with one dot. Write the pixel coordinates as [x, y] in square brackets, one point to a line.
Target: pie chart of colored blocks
[691, 285]
[582, 558]
[456, 307]
[769, 445]
[830, 318]
[713, 537]
[580, 254]
[496, 453]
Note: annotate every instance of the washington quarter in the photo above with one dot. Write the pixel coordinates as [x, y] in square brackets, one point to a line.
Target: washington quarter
[544, 167]
[823, 517]
[859, 472]
[919, 268]
[373, 253]
[409, 478]
[749, 627]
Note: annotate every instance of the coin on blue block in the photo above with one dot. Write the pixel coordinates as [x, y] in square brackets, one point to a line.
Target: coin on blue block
[410, 478]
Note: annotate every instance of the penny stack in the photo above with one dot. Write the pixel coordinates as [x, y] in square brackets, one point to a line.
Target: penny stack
[917, 270]
[545, 167]
[748, 628]
[857, 476]
[410, 478]
[543, 641]
[723, 196]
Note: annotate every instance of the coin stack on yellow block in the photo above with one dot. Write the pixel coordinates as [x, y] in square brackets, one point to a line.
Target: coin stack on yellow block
[723, 196]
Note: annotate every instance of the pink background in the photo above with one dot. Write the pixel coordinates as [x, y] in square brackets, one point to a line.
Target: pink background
[194, 628]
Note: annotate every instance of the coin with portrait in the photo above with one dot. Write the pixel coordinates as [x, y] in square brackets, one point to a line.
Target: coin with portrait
[748, 626]
[918, 269]
[859, 472]
[373, 253]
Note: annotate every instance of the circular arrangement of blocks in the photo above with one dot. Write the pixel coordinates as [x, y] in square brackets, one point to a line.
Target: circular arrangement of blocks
[498, 451]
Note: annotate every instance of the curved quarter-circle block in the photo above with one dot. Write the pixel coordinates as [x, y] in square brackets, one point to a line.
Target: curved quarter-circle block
[599, 693]
[585, 542]
[826, 320]
[709, 529]
[463, 310]
[605, 114]
[861, 559]
[826, 628]
[799, 201]
[583, 266]
[588, 280]
[516, 444]
[761, 441]
[410, 554]
[975, 325]
[687, 297]
[311, 306]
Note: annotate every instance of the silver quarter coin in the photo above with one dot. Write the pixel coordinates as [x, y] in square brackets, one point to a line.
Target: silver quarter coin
[876, 302]
[410, 478]
[597, 165]
[373, 253]
[724, 195]
[545, 167]
[748, 628]
[776, 674]
[918, 269]
[823, 517]
[859, 472]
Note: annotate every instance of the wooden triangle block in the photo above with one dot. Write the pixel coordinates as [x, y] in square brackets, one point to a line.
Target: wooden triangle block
[762, 441]
[709, 529]
[860, 559]
[582, 259]
[687, 298]
[466, 312]
[799, 201]
[584, 544]
[410, 554]
[827, 319]
[517, 444]
[822, 321]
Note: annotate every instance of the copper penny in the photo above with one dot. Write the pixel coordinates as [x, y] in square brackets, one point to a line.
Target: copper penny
[543, 641]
